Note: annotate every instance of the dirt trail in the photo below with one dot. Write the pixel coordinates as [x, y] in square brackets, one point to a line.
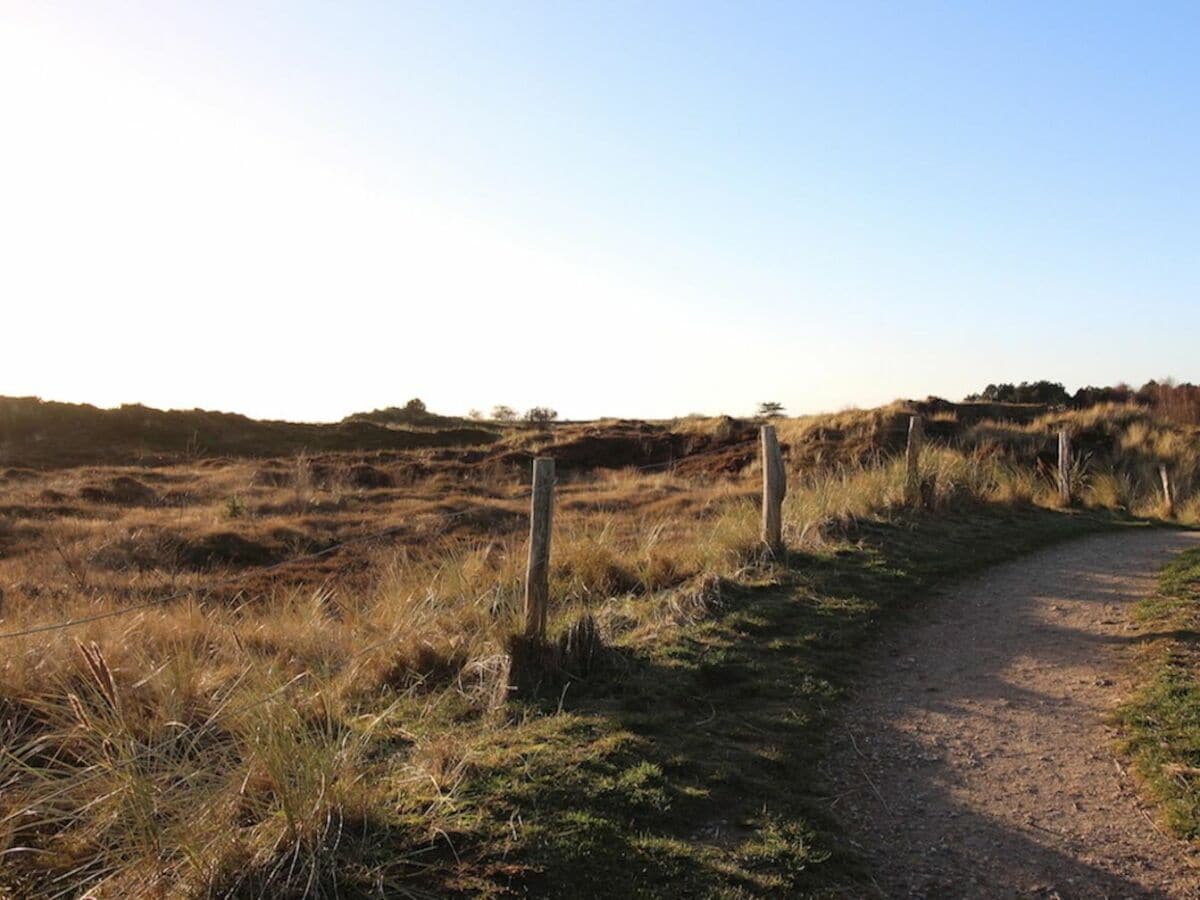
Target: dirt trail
[974, 759]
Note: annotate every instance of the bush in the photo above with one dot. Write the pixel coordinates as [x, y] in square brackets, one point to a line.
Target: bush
[1050, 393]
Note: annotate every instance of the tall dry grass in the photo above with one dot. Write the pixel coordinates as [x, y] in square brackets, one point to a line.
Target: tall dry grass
[230, 745]
[283, 741]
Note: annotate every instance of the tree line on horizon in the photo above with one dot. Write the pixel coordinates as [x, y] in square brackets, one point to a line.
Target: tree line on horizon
[1179, 402]
[415, 412]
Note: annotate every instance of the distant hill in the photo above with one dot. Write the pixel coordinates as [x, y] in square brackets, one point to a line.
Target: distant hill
[37, 432]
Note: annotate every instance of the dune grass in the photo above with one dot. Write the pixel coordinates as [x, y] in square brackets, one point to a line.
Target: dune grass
[1161, 723]
[690, 764]
[347, 729]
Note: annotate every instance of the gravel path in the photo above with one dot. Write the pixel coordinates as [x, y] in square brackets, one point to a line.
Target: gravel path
[974, 760]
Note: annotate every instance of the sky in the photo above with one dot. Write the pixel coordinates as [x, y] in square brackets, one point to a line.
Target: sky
[305, 209]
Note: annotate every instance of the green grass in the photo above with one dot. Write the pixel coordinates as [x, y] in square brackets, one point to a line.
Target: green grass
[1162, 721]
[690, 765]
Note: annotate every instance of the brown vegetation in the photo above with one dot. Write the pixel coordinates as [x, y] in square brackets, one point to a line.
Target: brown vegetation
[34, 432]
[376, 592]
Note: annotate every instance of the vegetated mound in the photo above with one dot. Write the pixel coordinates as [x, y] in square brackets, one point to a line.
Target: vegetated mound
[324, 472]
[856, 437]
[474, 519]
[367, 476]
[723, 447]
[121, 490]
[18, 474]
[1021, 433]
[359, 455]
[413, 414]
[227, 548]
[47, 434]
[153, 548]
[970, 412]
[274, 473]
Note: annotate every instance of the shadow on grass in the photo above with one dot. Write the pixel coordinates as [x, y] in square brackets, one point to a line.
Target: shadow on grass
[689, 767]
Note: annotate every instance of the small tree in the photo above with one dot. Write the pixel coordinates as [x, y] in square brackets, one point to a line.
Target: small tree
[474, 415]
[769, 409]
[415, 406]
[504, 413]
[541, 415]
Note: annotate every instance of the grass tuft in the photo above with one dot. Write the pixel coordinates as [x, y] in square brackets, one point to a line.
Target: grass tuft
[1161, 724]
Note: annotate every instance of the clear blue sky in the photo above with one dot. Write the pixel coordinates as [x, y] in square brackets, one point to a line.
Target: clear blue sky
[642, 209]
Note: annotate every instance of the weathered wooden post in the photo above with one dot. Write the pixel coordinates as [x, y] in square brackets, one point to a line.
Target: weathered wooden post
[782, 473]
[774, 489]
[1168, 491]
[912, 458]
[1064, 465]
[537, 574]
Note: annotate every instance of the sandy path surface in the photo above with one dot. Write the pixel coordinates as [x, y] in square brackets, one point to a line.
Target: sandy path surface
[974, 759]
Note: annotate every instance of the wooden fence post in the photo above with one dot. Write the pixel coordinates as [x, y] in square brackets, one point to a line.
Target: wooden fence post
[537, 575]
[1064, 466]
[774, 489]
[1168, 491]
[912, 458]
